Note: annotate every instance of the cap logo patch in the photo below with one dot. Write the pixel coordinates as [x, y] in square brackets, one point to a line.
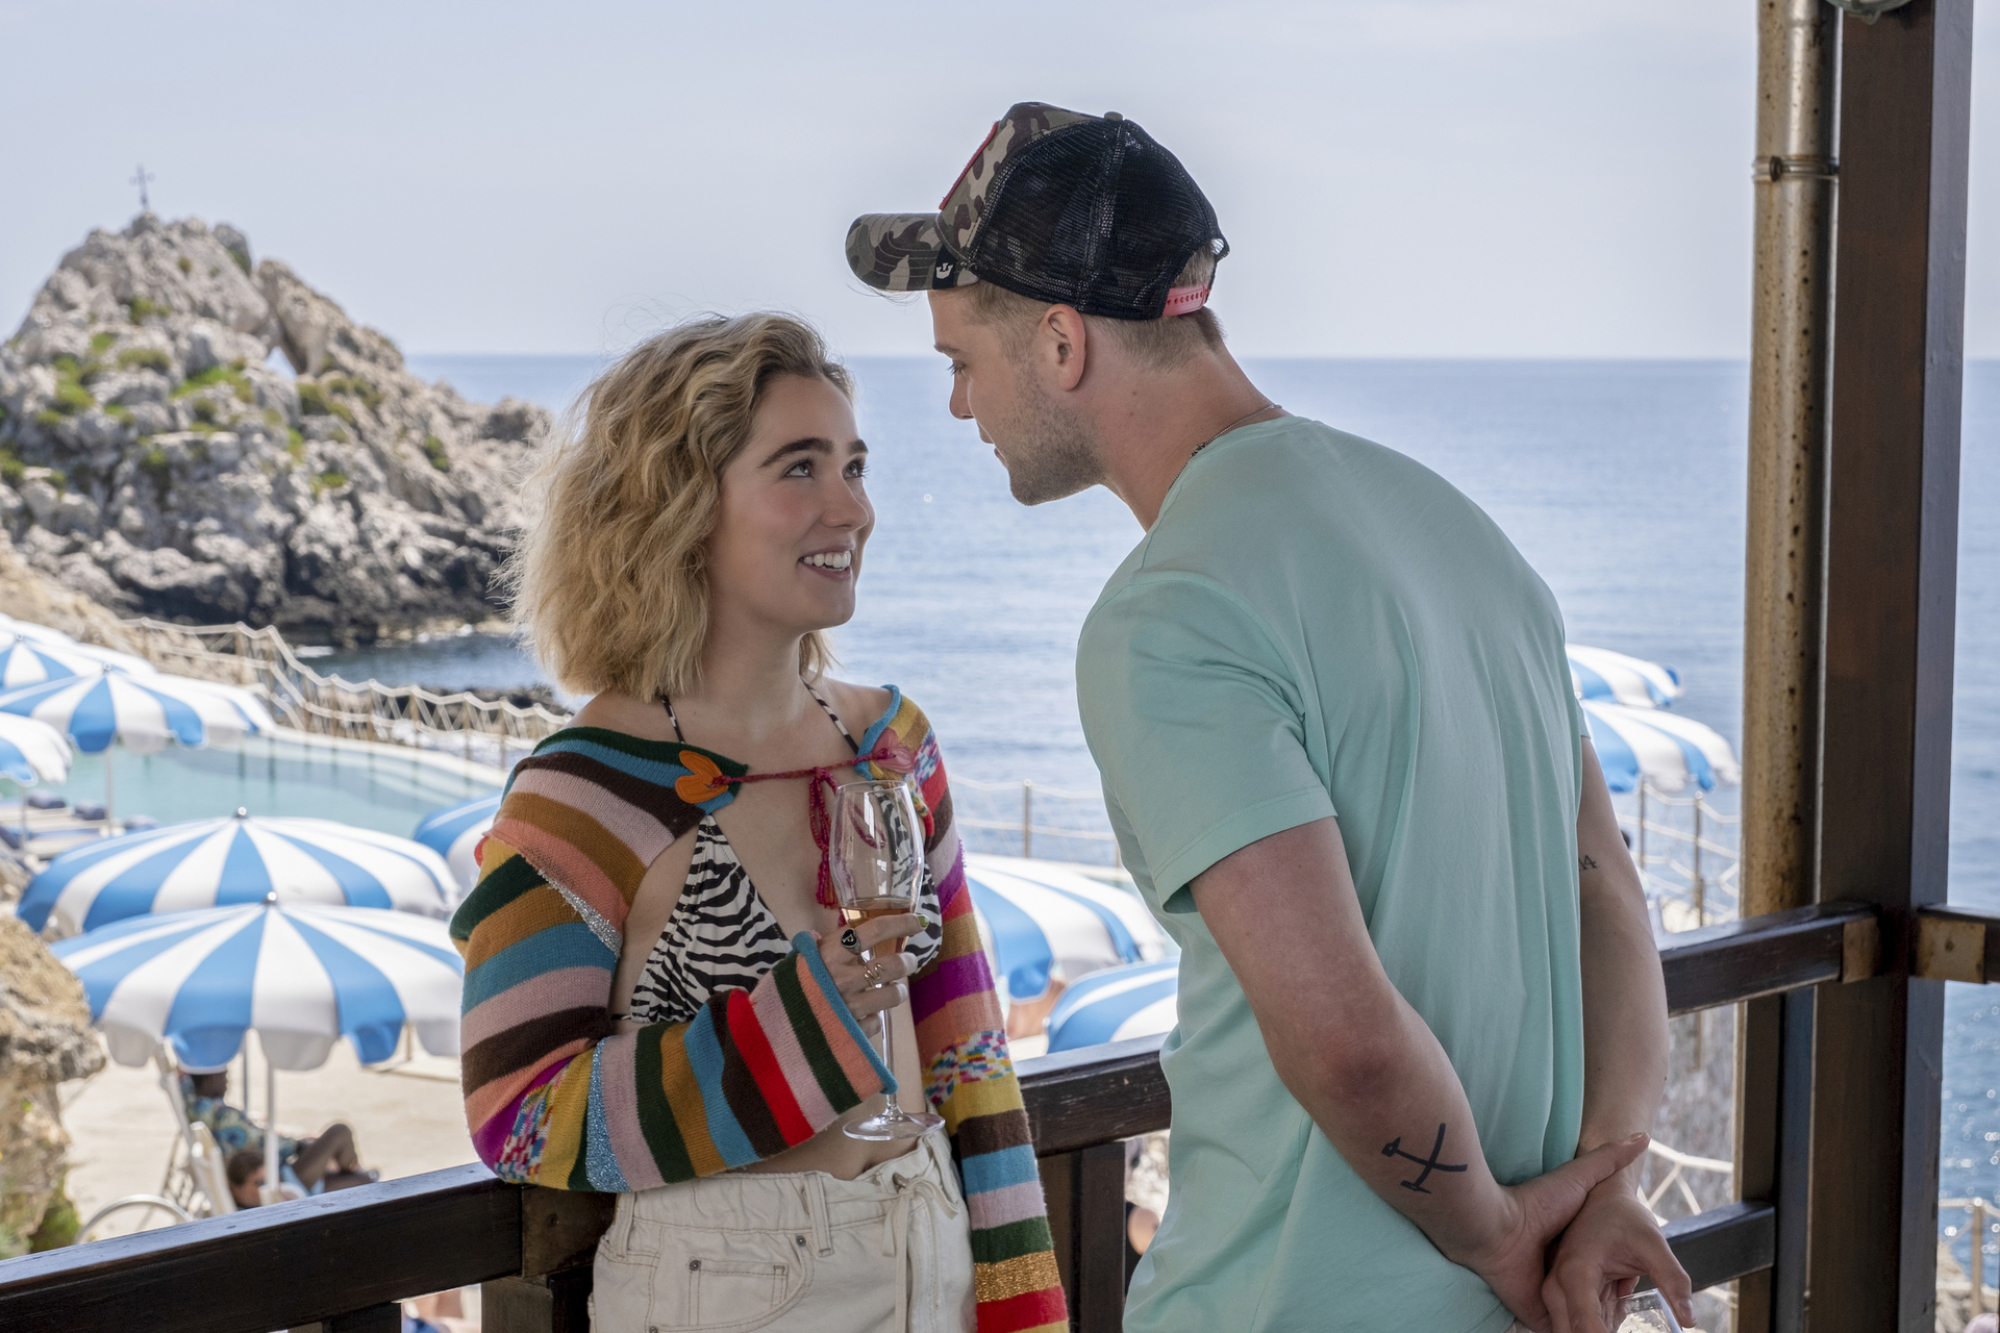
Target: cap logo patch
[971, 162]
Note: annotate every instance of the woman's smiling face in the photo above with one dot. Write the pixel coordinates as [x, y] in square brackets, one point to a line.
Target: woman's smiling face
[794, 512]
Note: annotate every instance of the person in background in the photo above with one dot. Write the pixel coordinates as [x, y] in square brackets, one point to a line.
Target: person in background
[244, 1169]
[1340, 751]
[326, 1161]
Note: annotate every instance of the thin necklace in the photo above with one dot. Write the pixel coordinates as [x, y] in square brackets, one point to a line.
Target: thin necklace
[1257, 411]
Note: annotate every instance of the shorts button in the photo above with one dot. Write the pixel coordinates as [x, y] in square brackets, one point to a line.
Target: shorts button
[693, 1264]
[800, 1239]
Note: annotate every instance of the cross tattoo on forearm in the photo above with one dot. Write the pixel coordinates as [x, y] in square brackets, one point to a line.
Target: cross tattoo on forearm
[1394, 1148]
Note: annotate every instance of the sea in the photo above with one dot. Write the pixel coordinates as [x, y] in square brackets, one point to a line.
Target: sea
[1621, 481]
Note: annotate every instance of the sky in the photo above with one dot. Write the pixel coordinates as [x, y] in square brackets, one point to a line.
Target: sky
[1397, 178]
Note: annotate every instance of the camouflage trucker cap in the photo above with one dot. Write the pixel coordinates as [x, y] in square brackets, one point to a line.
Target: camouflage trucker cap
[1086, 211]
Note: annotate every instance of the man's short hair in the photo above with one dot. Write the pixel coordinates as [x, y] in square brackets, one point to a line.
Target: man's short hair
[1158, 344]
[242, 1164]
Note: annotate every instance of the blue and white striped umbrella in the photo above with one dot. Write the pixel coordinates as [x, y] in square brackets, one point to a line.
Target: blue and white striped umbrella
[1668, 750]
[239, 859]
[32, 751]
[302, 975]
[143, 712]
[1608, 677]
[1136, 1000]
[26, 661]
[454, 833]
[1046, 922]
[42, 636]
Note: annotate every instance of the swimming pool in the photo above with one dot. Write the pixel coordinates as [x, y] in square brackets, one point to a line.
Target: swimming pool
[383, 787]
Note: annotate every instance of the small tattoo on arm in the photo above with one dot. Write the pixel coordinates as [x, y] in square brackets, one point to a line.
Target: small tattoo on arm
[1585, 863]
[1394, 1148]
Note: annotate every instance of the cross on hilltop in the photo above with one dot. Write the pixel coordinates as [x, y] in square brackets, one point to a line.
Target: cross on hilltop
[140, 178]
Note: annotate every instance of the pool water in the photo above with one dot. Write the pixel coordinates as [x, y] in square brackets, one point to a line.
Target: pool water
[376, 787]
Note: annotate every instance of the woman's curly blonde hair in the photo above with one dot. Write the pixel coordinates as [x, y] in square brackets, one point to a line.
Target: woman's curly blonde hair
[609, 581]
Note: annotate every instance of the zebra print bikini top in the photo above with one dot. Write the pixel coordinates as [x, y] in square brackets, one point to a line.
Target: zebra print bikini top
[721, 934]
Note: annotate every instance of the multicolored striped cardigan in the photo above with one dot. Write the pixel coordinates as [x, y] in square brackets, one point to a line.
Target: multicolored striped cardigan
[555, 1096]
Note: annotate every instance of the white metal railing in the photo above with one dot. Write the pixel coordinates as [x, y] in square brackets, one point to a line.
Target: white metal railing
[1681, 1164]
[261, 660]
[1684, 848]
[978, 805]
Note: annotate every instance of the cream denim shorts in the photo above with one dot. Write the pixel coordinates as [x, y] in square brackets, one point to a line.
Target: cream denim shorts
[891, 1249]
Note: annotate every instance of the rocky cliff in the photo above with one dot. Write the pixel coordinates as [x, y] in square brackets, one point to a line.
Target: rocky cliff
[150, 459]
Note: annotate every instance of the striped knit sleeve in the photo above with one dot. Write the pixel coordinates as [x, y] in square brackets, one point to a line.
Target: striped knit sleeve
[969, 1079]
[555, 1097]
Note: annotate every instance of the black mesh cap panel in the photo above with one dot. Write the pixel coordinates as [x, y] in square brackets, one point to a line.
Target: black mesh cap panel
[1095, 215]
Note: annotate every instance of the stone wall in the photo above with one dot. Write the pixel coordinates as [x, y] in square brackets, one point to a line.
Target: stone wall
[45, 1041]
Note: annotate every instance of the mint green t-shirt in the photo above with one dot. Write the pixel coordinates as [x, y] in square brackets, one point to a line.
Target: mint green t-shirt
[1315, 626]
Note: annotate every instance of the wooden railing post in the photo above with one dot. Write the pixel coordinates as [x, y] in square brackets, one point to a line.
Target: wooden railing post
[559, 1233]
[1086, 1200]
[1891, 594]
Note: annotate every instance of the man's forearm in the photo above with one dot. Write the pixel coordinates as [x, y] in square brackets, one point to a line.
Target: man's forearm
[1625, 1041]
[1357, 1057]
[1398, 1115]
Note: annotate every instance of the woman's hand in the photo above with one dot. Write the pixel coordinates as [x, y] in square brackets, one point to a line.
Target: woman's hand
[869, 988]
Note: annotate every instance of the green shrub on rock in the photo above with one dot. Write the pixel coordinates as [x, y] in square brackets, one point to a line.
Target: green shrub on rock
[434, 450]
[101, 343]
[353, 387]
[72, 397]
[328, 481]
[146, 358]
[141, 309]
[231, 374]
[59, 1223]
[314, 402]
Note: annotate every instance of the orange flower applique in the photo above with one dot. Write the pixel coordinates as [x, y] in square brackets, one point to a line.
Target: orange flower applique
[703, 780]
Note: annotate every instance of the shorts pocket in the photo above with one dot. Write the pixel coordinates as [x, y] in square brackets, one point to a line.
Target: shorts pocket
[729, 1291]
[720, 1281]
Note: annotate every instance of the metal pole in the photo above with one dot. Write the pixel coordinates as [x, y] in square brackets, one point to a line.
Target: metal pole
[1784, 563]
[1978, 1255]
[271, 1181]
[1642, 829]
[1790, 341]
[1700, 897]
[1027, 818]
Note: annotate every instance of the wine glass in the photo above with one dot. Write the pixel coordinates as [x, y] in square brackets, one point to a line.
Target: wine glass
[1641, 1312]
[876, 856]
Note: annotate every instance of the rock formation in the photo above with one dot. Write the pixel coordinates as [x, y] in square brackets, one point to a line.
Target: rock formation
[151, 460]
[45, 1040]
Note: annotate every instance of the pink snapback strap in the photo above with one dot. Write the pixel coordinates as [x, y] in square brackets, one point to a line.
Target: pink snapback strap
[1185, 301]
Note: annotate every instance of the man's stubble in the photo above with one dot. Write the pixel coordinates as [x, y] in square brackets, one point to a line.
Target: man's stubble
[1050, 454]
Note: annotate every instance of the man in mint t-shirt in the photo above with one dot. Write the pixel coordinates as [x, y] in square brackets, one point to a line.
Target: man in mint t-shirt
[1344, 762]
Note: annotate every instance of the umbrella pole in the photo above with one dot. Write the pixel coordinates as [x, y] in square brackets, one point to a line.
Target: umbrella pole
[271, 1181]
[107, 787]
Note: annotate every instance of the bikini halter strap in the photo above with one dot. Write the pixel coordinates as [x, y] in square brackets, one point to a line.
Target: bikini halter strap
[889, 753]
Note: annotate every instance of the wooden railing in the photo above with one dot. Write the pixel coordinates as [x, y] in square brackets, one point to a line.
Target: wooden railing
[344, 1260]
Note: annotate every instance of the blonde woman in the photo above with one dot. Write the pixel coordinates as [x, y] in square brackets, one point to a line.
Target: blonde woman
[658, 999]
